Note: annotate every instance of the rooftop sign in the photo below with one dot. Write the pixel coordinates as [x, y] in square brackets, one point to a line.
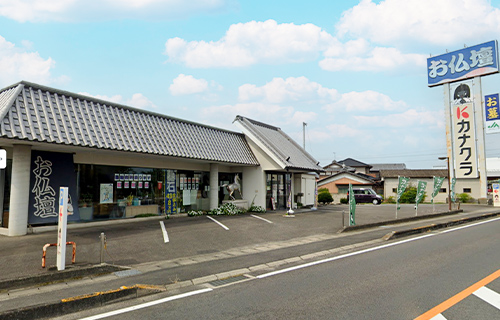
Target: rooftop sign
[469, 62]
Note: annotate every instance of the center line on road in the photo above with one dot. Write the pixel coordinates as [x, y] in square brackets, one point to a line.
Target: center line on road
[220, 224]
[165, 234]
[252, 215]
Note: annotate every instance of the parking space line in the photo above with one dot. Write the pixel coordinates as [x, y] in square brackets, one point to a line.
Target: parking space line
[252, 215]
[488, 295]
[220, 224]
[458, 297]
[164, 231]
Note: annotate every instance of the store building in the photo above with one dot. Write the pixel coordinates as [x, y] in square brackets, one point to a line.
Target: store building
[120, 162]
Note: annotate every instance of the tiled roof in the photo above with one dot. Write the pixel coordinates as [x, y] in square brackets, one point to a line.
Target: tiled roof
[354, 163]
[32, 112]
[387, 166]
[287, 153]
[414, 173]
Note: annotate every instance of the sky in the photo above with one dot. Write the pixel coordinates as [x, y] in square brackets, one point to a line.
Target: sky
[354, 71]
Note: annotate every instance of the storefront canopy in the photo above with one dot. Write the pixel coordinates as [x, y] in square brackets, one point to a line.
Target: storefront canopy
[31, 112]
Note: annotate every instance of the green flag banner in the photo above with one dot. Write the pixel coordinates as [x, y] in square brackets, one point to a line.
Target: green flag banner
[420, 192]
[352, 206]
[403, 183]
[438, 181]
[452, 190]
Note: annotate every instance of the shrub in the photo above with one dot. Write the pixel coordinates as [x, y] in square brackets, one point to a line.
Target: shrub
[325, 196]
[464, 197]
[409, 195]
[227, 209]
[196, 213]
[344, 200]
[390, 200]
[257, 209]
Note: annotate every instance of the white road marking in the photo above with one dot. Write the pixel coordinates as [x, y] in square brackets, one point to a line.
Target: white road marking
[310, 264]
[468, 226]
[252, 215]
[438, 317]
[146, 305]
[220, 224]
[488, 295]
[165, 234]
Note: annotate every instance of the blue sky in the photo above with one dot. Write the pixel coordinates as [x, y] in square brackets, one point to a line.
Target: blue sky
[354, 71]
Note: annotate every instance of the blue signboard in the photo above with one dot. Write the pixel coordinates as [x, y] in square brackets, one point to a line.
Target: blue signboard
[469, 62]
[49, 172]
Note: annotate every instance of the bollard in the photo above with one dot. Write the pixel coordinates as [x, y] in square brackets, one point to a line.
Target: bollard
[103, 245]
[343, 218]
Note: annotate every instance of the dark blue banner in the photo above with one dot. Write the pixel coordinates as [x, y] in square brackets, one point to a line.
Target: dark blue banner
[49, 172]
[469, 62]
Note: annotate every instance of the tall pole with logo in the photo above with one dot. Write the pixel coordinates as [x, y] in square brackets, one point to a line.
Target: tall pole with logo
[460, 73]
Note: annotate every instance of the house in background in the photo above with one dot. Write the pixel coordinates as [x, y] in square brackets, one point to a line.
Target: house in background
[338, 184]
[390, 179]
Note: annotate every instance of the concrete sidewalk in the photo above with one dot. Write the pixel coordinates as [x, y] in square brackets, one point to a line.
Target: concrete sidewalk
[198, 250]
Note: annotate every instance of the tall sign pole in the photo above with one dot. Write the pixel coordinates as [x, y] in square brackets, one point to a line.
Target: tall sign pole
[464, 107]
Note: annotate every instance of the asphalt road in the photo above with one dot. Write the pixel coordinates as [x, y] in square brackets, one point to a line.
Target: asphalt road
[401, 279]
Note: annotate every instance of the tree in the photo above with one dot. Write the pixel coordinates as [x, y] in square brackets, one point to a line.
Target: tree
[410, 194]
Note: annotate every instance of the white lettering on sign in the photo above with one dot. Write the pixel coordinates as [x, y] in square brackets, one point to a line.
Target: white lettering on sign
[44, 194]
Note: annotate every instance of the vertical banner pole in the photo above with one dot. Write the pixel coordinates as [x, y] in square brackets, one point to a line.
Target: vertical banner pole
[62, 228]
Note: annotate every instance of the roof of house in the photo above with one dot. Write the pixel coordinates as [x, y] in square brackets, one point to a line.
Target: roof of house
[32, 112]
[354, 163]
[282, 148]
[387, 166]
[360, 178]
[414, 173]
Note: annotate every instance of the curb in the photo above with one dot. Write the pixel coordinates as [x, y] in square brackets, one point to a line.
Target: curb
[396, 221]
[408, 232]
[50, 278]
[80, 303]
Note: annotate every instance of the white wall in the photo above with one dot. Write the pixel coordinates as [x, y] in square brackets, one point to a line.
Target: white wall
[254, 186]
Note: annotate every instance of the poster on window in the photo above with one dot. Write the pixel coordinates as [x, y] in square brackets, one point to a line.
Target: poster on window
[48, 173]
[106, 193]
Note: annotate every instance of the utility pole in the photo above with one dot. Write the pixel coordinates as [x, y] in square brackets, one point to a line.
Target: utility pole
[304, 135]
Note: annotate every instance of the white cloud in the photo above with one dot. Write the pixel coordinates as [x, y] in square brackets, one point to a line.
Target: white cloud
[365, 101]
[343, 131]
[441, 22]
[253, 42]
[138, 100]
[86, 10]
[187, 84]
[376, 59]
[18, 64]
[281, 90]
[407, 119]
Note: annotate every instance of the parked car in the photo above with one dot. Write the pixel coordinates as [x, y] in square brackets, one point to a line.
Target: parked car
[366, 195]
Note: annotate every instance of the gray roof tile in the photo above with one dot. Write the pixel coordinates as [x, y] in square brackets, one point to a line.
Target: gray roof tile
[32, 112]
[287, 152]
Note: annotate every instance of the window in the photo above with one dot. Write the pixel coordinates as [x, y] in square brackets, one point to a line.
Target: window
[467, 190]
[442, 190]
[394, 190]
[343, 189]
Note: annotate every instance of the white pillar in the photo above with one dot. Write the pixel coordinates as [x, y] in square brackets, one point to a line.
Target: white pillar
[214, 186]
[19, 192]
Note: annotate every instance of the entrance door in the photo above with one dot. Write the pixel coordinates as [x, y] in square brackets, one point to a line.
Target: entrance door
[278, 188]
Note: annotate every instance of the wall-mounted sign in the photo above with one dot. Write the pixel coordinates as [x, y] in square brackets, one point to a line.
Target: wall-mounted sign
[3, 159]
[469, 62]
[49, 172]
